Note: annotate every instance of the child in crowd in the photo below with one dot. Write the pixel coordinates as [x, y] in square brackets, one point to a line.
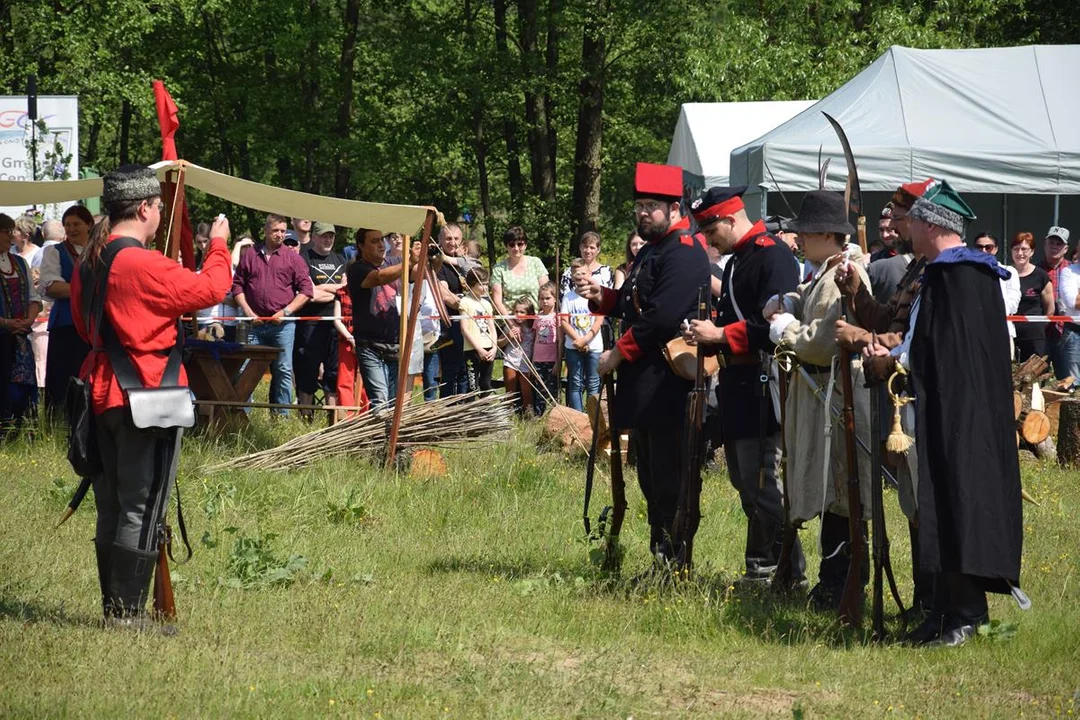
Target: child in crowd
[545, 346]
[583, 342]
[478, 328]
[347, 377]
[517, 355]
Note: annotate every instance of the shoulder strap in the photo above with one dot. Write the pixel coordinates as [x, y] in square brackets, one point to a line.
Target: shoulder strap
[94, 290]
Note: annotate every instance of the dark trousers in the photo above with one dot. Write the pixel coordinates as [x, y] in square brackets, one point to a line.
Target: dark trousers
[763, 506]
[958, 597]
[63, 361]
[132, 494]
[836, 531]
[659, 466]
[481, 369]
[316, 346]
[453, 373]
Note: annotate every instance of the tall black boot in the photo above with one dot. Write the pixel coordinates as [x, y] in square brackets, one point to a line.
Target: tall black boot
[103, 550]
[129, 586]
[922, 598]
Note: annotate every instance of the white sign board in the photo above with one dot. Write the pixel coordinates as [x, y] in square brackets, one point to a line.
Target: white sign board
[61, 117]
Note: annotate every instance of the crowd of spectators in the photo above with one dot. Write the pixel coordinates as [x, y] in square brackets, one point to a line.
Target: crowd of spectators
[345, 347]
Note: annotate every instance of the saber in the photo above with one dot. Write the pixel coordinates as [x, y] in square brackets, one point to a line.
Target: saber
[836, 416]
[76, 500]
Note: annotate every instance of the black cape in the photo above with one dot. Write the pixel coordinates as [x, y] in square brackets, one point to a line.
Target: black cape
[970, 517]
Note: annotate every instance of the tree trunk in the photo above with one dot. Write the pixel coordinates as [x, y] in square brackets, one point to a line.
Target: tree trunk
[90, 156]
[552, 75]
[1069, 434]
[586, 198]
[480, 144]
[342, 173]
[514, 179]
[543, 179]
[125, 132]
[309, 91]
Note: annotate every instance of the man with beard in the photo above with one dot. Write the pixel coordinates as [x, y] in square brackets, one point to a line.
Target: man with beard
[659, 294]
[887, 266]
[957, 350]
[760, 267]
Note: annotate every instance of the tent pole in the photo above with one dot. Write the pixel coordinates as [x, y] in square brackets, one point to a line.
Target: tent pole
[404, 387]
[764, 202]
[1005, 219]
[1057, 208]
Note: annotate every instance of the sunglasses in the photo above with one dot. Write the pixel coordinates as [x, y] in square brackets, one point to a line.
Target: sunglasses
[986, 248]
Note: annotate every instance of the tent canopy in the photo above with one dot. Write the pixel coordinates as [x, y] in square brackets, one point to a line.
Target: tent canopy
[996, 120]
[707, 133]
[403, 219]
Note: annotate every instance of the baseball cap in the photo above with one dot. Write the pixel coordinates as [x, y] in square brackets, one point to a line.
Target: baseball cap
[321, 228]
[291, 241]
[1058, 232]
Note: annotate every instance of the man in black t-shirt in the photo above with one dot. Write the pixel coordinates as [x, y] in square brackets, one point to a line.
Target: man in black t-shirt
[454, 371]
[316, 340]
[374, 285]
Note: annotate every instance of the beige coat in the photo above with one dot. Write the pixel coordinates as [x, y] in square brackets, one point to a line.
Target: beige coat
[815, 306]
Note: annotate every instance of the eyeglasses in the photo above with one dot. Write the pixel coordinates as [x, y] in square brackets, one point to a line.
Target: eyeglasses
[987, 248]
[1022, 249]
[647, 206]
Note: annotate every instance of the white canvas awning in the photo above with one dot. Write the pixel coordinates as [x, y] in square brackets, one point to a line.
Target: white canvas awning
[707, 133]
[994, 120]
[405, 219]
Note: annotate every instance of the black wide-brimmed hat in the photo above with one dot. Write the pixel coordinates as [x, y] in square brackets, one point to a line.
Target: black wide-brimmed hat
[822, 211]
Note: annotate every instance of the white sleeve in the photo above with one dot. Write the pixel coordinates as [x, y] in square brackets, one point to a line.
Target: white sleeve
[1010, 290]
[50, 267]
[1068, 287]
[902, 352]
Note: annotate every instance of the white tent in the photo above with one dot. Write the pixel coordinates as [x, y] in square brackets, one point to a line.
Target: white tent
[1000, 123]
[405, 219]
[707, 133]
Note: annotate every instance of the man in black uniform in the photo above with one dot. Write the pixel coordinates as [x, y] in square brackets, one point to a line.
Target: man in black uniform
[660, 292]
[761, 266]
[316, 340]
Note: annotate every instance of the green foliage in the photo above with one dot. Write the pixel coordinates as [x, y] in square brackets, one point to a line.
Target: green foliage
[351, 511]
[253, 563]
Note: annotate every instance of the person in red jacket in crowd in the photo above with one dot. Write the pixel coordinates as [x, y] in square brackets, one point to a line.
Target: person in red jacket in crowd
[146, 293]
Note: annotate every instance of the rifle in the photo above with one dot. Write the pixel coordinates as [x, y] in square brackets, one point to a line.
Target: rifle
[851, 599]
[164, 602]
[618, 484]
[782, 576]
[688, 515]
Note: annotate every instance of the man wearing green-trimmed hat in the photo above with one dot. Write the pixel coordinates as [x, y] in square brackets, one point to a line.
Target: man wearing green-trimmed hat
[316, 340]
[970, 525]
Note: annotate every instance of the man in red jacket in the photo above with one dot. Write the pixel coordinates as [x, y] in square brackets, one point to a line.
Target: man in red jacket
[145, 295]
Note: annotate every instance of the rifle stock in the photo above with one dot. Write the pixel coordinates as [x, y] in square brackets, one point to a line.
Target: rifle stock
[618, 484]
[164, 601]
[688, 514]
[851, 599]
[782, 576]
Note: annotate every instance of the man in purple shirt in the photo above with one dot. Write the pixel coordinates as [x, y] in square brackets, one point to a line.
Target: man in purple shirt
[272, 282]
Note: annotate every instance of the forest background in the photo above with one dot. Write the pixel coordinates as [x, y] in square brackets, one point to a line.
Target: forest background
[498, 112]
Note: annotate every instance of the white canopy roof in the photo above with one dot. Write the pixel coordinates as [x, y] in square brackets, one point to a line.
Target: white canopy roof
[707, 133]
[996, 120]
[403, 219]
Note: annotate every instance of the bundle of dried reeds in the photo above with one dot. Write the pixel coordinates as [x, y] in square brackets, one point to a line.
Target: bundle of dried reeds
[455, 420]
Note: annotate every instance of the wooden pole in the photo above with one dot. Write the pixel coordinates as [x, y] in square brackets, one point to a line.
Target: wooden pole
[406, 342]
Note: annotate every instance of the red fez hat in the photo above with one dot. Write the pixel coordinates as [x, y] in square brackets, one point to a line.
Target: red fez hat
[658, 181]
[908, 193]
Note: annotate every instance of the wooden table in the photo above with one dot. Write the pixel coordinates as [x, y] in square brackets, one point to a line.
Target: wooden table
[214, 374]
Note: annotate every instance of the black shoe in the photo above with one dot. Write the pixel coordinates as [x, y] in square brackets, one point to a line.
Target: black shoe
[824, 598]
[928, 631]
[957, 631]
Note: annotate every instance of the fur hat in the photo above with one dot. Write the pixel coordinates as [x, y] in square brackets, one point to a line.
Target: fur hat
[128, 183]
[942, 206]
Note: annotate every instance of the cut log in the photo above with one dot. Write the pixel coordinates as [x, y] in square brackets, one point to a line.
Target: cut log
[1062, 385]
[1069, 433]
[1034, 427]
[569, 429]
[1028, 371]
[1038, 402]
[1018, 405]
[1046, 450]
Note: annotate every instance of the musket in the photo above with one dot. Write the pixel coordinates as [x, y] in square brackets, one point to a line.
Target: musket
[164, 601]
[76, 500]
[879, 535]
[618, 484]
[851, 599]
[590, 473]
[782, 576]
[688, 513]
[853, 200]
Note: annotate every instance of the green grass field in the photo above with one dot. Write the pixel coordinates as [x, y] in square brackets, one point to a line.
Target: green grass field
[346, 590]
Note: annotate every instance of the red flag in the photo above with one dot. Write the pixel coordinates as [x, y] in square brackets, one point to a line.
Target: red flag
[169, 122]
